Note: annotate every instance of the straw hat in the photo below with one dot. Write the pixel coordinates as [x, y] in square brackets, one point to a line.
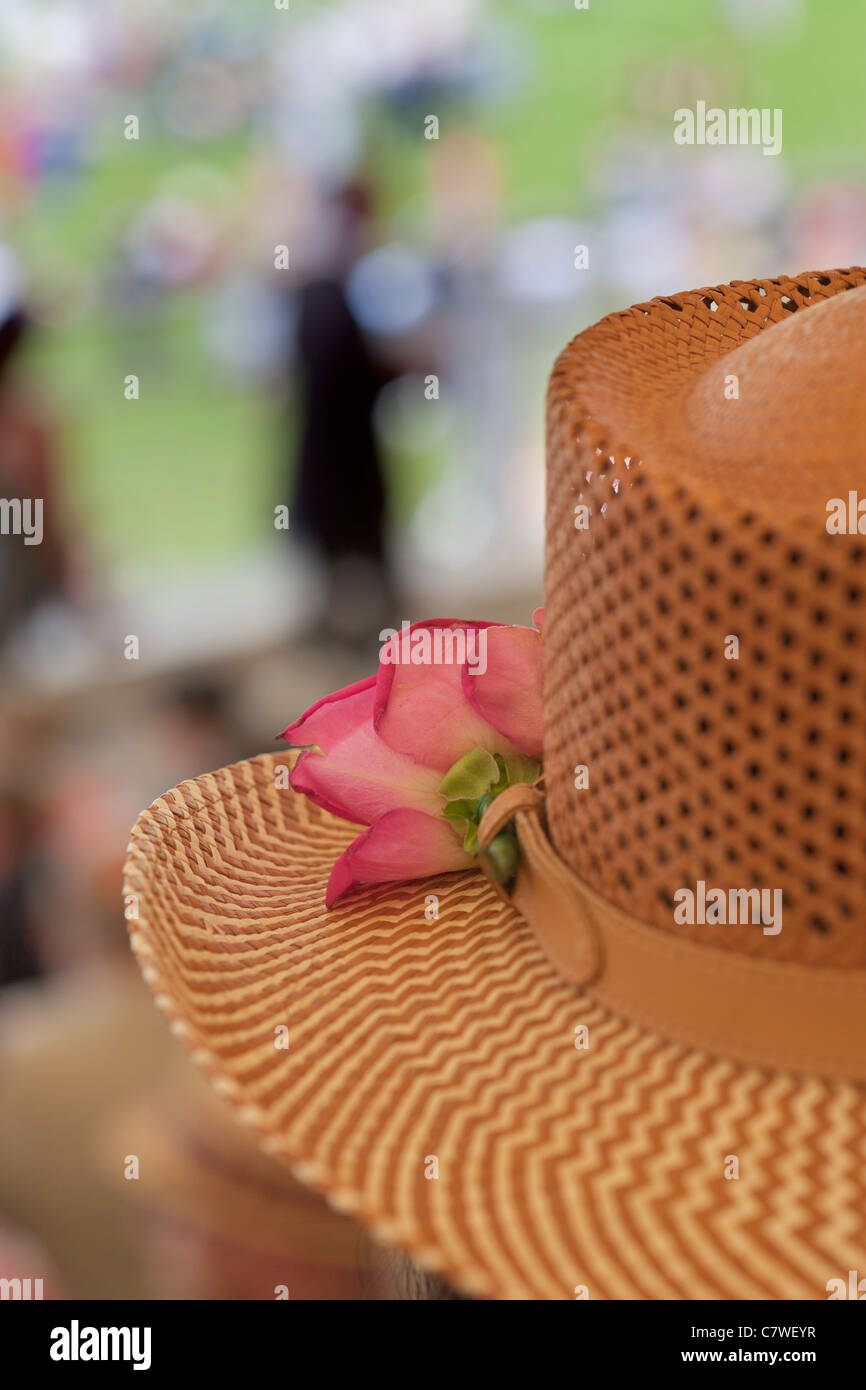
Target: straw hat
[569, 1089]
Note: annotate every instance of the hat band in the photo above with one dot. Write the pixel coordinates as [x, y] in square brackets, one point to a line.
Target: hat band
[781, 1015]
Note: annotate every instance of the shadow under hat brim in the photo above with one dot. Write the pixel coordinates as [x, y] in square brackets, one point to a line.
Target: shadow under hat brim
[433, 1088]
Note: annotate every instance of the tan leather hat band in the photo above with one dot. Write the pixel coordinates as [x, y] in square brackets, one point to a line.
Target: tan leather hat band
[779, 1015]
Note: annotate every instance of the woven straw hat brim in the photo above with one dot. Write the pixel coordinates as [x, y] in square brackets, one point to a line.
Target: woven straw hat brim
[413, 1040]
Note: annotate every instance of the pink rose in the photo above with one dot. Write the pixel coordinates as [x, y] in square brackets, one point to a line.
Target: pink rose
[418, 751]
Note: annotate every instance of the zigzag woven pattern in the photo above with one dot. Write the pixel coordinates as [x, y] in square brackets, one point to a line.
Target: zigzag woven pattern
[410, 1040]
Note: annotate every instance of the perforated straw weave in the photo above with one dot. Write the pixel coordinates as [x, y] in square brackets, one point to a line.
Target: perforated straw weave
[746, 772]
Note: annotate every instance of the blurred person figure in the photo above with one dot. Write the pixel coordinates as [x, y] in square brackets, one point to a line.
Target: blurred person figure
[339, 502]
[463, 522]
[29, 573]
[19, 958]
[26, 744]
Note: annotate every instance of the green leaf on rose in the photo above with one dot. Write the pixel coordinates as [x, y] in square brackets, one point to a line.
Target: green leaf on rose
[470, 777]
[521, 769]
[470, 839]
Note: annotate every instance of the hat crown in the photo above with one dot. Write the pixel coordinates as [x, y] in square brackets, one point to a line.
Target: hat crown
[787, 405]
[704, 640]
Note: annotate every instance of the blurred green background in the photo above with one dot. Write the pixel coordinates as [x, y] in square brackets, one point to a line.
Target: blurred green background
[190, 469]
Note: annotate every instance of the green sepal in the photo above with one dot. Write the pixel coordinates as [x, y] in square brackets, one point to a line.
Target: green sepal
[501, 856]
[522, 769]
[470, 776]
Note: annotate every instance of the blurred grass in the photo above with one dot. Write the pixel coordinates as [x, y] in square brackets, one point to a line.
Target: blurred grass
[193, 466]
[192, 469]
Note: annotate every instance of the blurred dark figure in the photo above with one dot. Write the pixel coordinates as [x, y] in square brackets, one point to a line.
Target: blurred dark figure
[340, 499]
[29, 574]
[18, 844]
[339, 494]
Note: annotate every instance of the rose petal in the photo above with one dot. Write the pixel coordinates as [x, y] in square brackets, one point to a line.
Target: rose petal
[403, 844]
[508, 693]
[538, 616]
[356, 775]
[422, 709]
[329, 719]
